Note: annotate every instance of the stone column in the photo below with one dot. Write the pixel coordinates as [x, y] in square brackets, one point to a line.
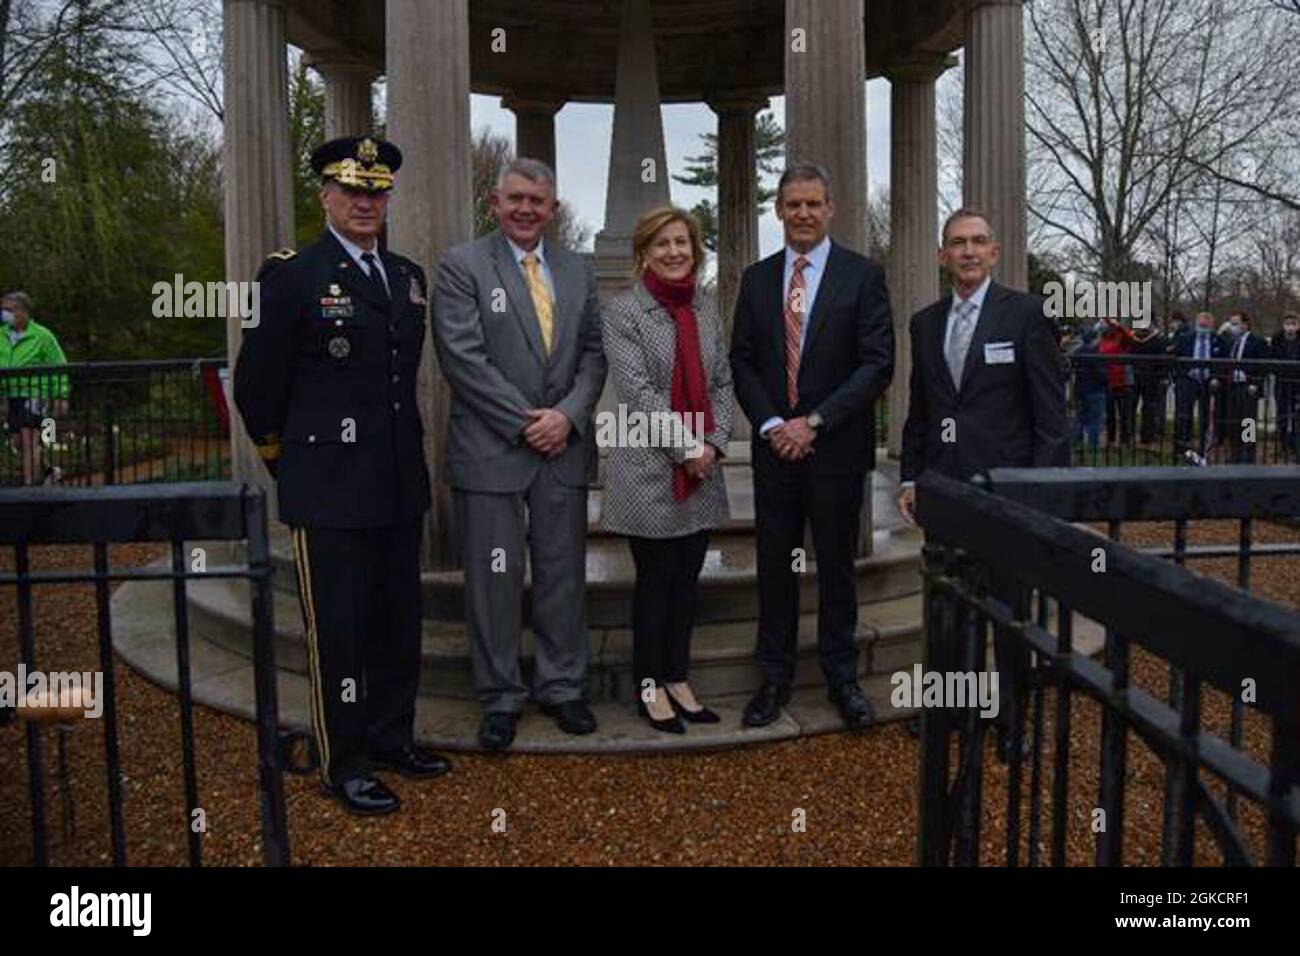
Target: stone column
[638, 167]
[826, 104]
[826, 123]
[258, 171]
[431, 210]
[913, 215]
[534, 126]
[348, 108]
[737, 209]
[994, 143]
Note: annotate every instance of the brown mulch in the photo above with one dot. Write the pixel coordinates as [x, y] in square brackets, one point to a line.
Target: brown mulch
[859, 793]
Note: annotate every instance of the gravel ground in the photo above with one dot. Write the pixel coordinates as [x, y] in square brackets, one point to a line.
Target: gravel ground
[859, 793]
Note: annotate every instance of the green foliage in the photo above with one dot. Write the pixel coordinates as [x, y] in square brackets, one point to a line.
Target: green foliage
[103, 197]
[306, 132]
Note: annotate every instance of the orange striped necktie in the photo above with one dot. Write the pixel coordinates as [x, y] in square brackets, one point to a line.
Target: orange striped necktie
[796, 305]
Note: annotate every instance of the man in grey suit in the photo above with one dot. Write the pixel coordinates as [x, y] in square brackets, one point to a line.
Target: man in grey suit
[516, 322]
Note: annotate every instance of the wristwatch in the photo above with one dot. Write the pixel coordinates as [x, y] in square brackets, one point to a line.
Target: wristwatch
[815, 421]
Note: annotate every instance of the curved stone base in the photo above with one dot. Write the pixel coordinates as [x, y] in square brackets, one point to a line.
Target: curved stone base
[223, 680]
[723, 671]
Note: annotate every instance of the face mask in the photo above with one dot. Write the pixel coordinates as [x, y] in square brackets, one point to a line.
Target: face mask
[7, 317]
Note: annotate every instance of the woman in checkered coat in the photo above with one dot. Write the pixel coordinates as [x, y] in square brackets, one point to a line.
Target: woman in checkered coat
[667, 355]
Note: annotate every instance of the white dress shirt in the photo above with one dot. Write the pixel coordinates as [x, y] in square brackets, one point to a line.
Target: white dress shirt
[812, 278]
[540, 253]
[356, 252]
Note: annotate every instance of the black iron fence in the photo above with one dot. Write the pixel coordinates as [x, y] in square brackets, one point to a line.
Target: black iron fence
[1165, 410]
[1008, 561]
[105, 423]
[215, 511]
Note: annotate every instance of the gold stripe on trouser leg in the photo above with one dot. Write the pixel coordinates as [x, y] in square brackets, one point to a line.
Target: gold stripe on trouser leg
[316, 692]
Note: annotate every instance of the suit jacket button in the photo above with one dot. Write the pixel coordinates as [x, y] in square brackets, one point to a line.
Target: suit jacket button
[396, 406]
[311, 438]
[396, 379]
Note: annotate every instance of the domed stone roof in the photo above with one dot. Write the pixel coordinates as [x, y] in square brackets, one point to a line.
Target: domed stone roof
[567, 49]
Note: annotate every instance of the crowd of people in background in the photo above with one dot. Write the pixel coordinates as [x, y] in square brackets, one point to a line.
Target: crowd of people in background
[1212, 403]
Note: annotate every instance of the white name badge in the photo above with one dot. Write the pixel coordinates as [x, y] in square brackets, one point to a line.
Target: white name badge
[1000, 353]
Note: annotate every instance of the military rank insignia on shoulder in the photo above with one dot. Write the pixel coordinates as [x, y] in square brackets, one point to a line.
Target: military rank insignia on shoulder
[274, 261]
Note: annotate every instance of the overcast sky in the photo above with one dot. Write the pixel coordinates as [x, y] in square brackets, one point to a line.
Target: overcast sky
[582, 133]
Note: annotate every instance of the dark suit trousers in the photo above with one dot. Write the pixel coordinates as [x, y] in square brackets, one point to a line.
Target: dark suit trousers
[361, 605]
[1241, 406]
[1191, 397]
[786, 495]
[663, 606]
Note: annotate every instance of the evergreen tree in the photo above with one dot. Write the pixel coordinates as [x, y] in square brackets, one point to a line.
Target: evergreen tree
[702, 170]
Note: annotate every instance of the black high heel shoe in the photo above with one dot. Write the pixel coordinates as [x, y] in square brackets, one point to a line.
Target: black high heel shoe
[701, 716]
[670, 725]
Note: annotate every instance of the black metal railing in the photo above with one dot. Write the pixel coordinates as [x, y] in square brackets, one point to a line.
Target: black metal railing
[1007, 560]
[214, 511]
[1166, 410]
[107, 423]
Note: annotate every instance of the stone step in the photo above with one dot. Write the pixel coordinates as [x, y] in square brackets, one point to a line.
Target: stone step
[722, 652]
[223, 680]
[728, 581]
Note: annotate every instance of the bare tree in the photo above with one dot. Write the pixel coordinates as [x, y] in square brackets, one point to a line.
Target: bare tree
[1130, 101]
[181, 47]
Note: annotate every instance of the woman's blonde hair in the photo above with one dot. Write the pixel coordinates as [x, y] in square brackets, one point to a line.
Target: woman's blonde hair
[648, 227]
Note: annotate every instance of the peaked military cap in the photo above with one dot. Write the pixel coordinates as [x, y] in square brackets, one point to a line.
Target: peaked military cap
[361, 162]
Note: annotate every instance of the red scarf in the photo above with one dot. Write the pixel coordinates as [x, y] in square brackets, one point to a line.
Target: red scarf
[690, 390]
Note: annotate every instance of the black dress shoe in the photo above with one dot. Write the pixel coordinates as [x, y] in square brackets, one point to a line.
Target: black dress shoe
[853, 705]
[701, 716]
[412, 761]
[765, 706]
[497, 730]
[668, 725]
[366, 797]
[573, 716]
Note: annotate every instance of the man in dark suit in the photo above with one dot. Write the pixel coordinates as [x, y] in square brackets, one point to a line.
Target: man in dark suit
[1245, 390]
[1285, 347]
[325, 382]
[1195, 385]
[987, 387]
[1151, 382]
[812, 350]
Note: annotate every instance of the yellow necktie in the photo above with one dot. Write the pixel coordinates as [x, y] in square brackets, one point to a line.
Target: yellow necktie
[541, 299]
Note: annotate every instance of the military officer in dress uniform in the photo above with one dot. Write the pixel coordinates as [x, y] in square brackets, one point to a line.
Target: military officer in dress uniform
[325, 382]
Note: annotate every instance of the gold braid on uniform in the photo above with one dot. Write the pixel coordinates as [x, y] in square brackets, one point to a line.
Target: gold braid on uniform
[316, 690]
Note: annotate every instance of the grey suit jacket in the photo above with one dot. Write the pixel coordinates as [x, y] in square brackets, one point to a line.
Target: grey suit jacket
[640, 342]
[489, 346]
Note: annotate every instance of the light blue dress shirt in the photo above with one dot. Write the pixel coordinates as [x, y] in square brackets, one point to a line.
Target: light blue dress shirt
[976, 299]
[355, 251]
[812, 278]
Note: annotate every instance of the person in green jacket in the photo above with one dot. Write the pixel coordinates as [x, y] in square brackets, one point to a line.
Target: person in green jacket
[25, 343]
